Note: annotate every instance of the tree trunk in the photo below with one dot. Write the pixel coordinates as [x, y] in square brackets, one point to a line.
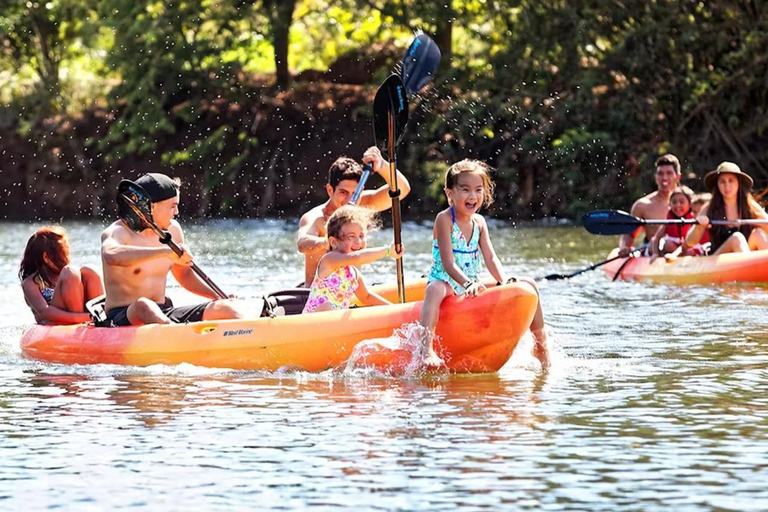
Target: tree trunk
[282, 18]
[444, 35]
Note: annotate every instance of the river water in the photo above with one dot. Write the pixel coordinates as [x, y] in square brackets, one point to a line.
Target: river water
[657, 400]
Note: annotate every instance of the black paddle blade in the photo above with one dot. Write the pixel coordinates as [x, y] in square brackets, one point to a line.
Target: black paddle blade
[555, 277]
[420, 63]
[391, 96]
[610, 222]
[128, 190]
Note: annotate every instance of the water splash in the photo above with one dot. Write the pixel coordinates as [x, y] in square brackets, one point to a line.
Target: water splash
[399, 355]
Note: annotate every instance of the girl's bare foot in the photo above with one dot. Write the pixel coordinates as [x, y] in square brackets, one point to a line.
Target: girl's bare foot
[426, 353]
[541, 348]
[432, 361]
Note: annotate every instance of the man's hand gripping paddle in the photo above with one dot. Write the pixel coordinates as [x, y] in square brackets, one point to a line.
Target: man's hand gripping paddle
[135, 209]
[417, 68]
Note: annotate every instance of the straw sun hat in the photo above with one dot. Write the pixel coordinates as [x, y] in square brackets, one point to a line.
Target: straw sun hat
[710, 180]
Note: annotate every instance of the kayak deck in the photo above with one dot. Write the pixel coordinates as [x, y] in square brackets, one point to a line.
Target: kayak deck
[476, 335]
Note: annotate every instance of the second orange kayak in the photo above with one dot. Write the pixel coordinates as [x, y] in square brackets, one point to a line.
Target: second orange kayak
[746, 267]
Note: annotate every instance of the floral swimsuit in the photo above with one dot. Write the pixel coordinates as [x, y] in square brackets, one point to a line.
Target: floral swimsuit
[337, 289]
[466, 255]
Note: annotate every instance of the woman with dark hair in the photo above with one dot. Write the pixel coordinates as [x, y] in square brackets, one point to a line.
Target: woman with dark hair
[731, 200]
[55, 290]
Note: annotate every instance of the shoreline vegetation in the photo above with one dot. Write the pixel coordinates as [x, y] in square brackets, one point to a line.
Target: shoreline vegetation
[250, 102]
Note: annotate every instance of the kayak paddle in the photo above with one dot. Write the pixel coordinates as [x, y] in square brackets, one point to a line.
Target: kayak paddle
[617, 222]
[390, 115]
[135, 209]
[555, 277]
[420, 63]
[390, 97]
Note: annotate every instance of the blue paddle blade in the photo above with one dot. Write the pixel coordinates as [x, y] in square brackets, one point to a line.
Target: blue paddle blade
[129, 191]
[391, 96]
[610, 222]
[420, 63]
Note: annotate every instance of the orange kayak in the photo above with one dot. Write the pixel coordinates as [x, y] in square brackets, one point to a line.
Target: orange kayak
[477, 335]
[745, 267]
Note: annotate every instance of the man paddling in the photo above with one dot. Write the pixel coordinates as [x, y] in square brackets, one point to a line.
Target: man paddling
[656, 204]
[136, 267]
[343, 178]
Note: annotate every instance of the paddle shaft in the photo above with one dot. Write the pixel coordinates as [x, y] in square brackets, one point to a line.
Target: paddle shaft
[632, 254]
[554, 277]
[394, 193]
[361, 184]
[167, 239]
[664, 222]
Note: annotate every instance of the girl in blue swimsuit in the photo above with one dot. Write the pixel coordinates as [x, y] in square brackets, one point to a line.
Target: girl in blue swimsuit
[460, 238]
[55, 290]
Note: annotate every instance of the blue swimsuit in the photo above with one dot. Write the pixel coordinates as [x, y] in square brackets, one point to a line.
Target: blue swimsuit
[466, 255]
[47, 294]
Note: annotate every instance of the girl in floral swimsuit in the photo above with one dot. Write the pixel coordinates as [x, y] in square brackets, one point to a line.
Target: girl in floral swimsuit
[460, 237]
[338, 280]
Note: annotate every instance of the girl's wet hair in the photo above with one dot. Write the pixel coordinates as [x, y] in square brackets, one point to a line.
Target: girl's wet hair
[476, 167]
[50, 241]
[682, 189]
[351, 214]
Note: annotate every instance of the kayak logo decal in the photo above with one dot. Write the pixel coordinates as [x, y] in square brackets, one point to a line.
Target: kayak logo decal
[238, 332]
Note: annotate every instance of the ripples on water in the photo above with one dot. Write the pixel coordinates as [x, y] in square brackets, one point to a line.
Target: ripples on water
[657, 401]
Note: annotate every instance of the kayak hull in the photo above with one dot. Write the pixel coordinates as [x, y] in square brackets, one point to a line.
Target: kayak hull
[477, 335]
[745, 267]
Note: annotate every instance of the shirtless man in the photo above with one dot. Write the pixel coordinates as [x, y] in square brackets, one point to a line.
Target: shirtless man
[656, 204]
[343, 177]
[136, 267]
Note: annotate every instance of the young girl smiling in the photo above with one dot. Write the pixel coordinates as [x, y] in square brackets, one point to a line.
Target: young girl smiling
[460, 237]
[338, 280]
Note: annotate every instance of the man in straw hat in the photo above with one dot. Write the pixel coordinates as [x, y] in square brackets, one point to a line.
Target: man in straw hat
[731, 200]
[656, 204]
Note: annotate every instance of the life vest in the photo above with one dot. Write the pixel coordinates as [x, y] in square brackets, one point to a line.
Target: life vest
[677, 232]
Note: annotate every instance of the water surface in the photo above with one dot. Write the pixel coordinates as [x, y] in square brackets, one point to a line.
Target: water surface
[657, 400]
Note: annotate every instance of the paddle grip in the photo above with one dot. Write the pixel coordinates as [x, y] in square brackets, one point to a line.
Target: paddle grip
[367, 170]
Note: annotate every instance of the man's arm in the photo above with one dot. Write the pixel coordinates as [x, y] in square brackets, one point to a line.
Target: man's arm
[627, 242]
[309, 240]
[116, 253]
[190, 281]
[379, 199]
[182, 268]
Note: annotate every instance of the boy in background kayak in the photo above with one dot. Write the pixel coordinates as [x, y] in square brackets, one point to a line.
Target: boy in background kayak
[136, 267]
[343, 177]
[656, 204]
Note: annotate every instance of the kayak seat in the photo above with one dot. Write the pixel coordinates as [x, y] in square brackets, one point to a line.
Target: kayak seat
[290, 301]
[95, 308]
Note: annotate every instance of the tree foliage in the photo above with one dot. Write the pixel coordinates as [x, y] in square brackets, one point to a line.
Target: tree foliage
[570, 101]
